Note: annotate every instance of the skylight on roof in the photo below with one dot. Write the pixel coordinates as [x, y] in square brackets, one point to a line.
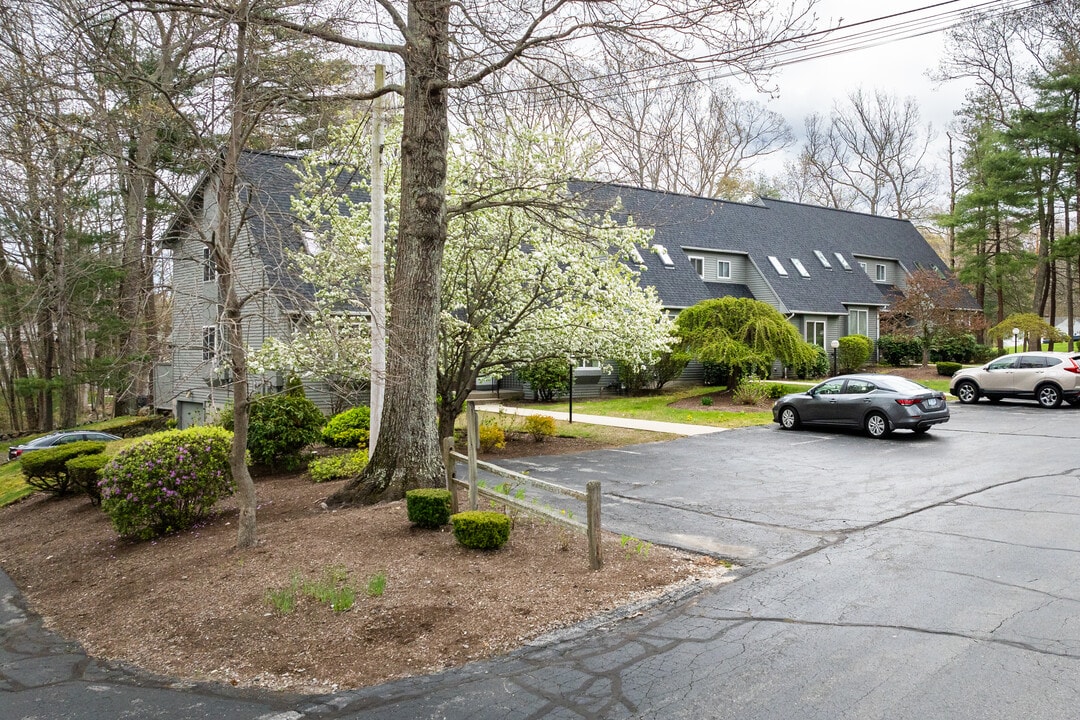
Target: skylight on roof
[799, 267]
[664, 257]
[636, 256]
[823, 260]
[311, 244]
[840, 259]
[778, 266]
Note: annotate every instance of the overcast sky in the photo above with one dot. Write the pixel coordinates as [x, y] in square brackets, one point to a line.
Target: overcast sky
[899, 67]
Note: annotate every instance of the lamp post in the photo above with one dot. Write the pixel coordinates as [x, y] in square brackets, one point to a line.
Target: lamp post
[1016, 335]
[834, 344]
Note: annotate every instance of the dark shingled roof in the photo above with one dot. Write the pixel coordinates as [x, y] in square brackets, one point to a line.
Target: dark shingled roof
[771, 227]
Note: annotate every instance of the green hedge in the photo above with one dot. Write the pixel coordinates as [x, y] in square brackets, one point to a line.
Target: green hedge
[948, 369]
[428, 507]
[348, 429]
[481, 529]
[46, 470]
[83, 472]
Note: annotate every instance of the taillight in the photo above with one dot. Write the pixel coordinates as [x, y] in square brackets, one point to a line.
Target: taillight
[907, 401]
[1072, 367]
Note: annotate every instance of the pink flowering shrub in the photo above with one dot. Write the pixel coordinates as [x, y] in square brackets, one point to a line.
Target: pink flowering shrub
[167, 482]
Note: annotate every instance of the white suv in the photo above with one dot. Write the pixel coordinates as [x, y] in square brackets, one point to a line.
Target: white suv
[1048, 377]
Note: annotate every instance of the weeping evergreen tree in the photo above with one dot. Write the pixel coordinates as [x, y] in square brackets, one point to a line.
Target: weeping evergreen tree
[743, 335]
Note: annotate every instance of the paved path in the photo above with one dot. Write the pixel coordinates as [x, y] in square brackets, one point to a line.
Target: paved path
[631, 423]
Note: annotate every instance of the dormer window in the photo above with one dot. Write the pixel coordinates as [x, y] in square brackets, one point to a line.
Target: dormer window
[723, 269]
[662, 253]
[799, 267]
[699, 265]
[843, 263]
[879, 273]
[822, 259]
[778, 266]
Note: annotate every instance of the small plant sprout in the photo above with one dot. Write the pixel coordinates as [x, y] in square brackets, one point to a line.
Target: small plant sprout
[376, 585]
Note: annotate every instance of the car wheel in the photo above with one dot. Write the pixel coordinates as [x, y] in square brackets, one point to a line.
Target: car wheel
[877, 425]
[967, 391]
[1049, 396]
[789, 418]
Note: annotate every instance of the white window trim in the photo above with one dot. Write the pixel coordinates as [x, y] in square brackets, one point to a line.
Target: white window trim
[722, 275]
[862, 266]
[843, 261]
[209, 271]
[665, 258]
[800, 268]
[700, 267]
[859, 312]
[881, 273]
[807, 322]
[209, 349]
[823, 260]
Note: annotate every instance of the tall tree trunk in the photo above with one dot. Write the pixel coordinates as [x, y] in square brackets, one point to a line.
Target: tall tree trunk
[407, 455]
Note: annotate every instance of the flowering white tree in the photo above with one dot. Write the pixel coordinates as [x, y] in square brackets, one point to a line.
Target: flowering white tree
[529, 273]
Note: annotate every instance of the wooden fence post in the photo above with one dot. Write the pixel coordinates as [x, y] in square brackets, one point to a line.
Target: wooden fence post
[592, 511]
[450, 463]
[473, 442]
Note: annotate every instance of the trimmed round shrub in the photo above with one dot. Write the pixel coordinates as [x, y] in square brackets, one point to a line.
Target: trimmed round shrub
[279, 427]
[167, 482]
[481, 529]
[854, 351]
[547, 378]
[540, 427]
[338, 467]
[428, 507]
[948, 369]
[46, 469]
[348, 429]
[82, 472]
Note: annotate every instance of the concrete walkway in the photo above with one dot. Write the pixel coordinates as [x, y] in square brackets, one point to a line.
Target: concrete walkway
[631, 423]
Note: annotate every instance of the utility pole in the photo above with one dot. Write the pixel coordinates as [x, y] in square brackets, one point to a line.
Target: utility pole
[378, 267]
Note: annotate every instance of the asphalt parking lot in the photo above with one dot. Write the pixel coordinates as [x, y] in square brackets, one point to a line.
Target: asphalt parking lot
[913, 577]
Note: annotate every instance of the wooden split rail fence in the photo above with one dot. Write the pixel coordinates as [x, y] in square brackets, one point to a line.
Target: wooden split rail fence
[591, 496]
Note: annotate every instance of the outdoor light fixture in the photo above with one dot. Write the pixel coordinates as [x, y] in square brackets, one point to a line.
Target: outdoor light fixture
[1016, 334]
[835, 344]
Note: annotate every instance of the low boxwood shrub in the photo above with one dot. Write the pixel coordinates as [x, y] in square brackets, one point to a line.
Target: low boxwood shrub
[338, 467]
[46, 470]
[540, 427]
[428, 507]
[82, 472]
[167, 482]
[348, 429]
[948, 368]
[481, 529]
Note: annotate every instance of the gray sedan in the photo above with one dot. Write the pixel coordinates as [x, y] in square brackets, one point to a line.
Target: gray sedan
[878, 404]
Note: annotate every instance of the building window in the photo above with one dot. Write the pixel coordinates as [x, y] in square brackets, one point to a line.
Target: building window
[859, 322]
[699, 265]
[799, 267]
[209, 342]
[843, 261]
[822, 259]
[880, 273]
[777, 266]
[209, 271]
[723, 269]
[815, 332]
[862, 266]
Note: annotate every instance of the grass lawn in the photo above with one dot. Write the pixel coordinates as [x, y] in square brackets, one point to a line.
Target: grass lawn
[657, 407]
